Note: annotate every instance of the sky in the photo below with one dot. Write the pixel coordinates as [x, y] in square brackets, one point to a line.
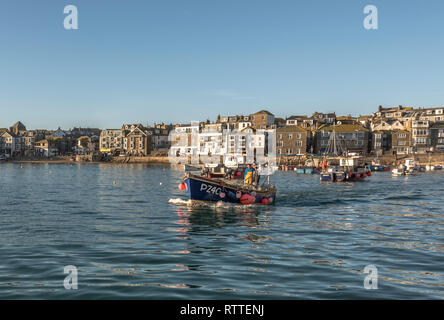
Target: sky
[152, 61]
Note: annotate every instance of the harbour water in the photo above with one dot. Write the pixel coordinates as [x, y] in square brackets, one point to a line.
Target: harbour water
[130, 234]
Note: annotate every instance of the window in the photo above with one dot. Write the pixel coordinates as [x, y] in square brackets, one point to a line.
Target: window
[290, 136]
[299, 143]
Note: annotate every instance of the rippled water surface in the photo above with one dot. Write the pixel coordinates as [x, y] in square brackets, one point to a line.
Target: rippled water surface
[130, 235]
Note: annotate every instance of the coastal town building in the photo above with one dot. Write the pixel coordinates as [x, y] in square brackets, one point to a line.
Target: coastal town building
[437, 136]
[295, 120]
[86, 145]
[262, 119]
[10, 144]
[46, 148]
[18, 128]
[111, 141]
[380, 142]
[352, 138]
[401, 142]
[136, 140]
[245, 146]
[159, 136]
[388, 124]
[292, 140]
[324, 118]
[184, 140]
[421, 136]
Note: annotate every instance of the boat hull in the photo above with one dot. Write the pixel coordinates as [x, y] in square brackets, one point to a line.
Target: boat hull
[213, 191]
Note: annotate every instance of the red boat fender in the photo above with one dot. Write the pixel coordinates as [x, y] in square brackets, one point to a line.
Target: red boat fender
[357, 175]
[247, 199]
[264, 201]
[182, 186]
[369, 173]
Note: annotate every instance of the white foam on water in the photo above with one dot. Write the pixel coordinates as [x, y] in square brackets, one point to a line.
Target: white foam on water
[179, 201]
[219, 205]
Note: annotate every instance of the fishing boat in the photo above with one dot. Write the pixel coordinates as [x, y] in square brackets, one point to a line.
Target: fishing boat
[348, 168]
[378, 166]
[410, 167]
[201, 188]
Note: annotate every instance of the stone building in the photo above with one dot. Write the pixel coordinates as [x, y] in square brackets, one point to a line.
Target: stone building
[111, 141]
[401, 142]
[262, 119]
[350, 138]
[292, 140]
[136, 140]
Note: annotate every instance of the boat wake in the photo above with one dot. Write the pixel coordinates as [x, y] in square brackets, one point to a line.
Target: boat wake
[179, 201]
[215, 205]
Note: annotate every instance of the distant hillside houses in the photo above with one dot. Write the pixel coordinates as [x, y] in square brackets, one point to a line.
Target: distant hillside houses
[393, 130]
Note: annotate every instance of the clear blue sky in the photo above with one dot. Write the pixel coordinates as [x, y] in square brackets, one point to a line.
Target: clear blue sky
[176, 61]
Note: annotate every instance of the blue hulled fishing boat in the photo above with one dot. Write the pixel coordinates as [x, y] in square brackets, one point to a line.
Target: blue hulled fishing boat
[201, 188]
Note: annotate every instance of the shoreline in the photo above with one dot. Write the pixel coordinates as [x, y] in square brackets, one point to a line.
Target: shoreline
[422, 160]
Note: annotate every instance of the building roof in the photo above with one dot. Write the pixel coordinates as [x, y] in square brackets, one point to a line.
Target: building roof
[264, 111]
[291, 129]
[19, 125]
[297, 117]
[8, 133]
[343, 128]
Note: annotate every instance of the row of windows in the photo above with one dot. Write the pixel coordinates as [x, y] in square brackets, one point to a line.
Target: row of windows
[281, 143]
[290, 136]
[289, 151]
